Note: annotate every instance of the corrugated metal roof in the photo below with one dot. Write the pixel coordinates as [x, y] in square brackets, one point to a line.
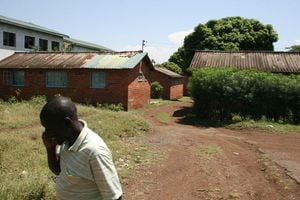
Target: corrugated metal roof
[56, 60]
[86, 44]
[168, 72]
[29, 25]
[285, 62]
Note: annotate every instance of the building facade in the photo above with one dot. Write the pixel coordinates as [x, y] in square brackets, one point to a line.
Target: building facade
[18, 35]
[85, 77]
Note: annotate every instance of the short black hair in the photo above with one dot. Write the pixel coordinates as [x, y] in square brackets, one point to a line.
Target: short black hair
[59, 108]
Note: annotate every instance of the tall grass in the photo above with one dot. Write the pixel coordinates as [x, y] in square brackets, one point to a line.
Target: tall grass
[24, 173]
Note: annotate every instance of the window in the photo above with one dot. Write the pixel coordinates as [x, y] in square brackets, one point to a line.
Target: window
[43, 45]
[56, 79]
[98, 80]
[9, 39]
[14, 78]
[140, 77]
[55, 46]
[29, 42]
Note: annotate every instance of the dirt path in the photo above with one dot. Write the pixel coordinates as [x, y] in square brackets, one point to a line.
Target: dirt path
[243, 164]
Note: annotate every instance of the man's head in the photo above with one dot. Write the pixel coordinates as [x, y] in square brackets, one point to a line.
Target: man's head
[58, 117]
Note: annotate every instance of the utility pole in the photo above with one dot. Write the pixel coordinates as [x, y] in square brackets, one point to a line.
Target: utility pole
[143, 44]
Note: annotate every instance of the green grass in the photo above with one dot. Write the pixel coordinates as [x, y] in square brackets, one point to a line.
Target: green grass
[163, 117]
[267, 126]
[208, 152]
[24, 173]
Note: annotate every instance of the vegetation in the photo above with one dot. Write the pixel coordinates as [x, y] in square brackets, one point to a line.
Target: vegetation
[208, 152]
[221, 93]
[24, 173]
[163, 117]
[230, 33]
[171, 66]
[294, 48]
[156, 90]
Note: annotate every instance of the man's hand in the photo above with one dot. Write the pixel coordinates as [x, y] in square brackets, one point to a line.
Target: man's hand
[49, 142]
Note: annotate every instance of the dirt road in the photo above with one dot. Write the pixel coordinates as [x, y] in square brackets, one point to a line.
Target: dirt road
[246, 165]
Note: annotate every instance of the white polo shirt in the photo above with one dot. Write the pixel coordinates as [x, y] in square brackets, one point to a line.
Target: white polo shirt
[87, 170]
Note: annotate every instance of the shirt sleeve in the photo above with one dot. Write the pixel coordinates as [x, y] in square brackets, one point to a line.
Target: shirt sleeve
[105, 176]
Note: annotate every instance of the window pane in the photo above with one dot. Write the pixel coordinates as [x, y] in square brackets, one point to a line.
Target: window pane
[43, 45]
[18, 78]
[56, 79]
[98, 80]
[55, 46]
[6, 78]
[9, 39]
[29, 42]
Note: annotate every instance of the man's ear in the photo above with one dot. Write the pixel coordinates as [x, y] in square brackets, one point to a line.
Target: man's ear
[68, 121]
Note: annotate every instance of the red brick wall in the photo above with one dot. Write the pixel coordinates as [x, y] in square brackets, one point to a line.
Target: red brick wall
[78, 86]
[176, 92]
[171, 90]
[139, 90]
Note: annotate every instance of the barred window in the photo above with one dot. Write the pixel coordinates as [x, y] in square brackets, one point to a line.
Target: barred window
[14, 78]
[56, 79]
[98, 80]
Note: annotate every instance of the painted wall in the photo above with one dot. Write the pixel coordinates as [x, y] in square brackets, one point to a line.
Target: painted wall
[20, 37]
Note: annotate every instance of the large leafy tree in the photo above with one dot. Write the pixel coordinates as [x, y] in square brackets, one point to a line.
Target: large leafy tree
[171, 66]
[229, 34]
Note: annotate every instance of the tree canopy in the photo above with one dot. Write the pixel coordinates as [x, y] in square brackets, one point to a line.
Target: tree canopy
[171, 66]
[228, 34]
[294, 48]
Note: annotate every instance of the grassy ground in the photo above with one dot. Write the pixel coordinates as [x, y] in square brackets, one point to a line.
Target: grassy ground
[24, 173]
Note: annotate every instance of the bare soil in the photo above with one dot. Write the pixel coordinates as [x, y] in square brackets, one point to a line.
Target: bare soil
[252, 165]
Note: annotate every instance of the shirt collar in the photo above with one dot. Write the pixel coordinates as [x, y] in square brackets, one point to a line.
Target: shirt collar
[80, 137]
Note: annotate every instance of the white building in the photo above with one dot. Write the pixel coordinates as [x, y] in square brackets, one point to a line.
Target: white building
[18, 35]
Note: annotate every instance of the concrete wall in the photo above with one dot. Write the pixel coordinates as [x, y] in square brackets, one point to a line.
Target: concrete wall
[20, 37]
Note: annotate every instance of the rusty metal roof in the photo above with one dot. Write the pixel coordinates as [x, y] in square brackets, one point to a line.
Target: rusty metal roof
[284, 62]
[168, 72]
[59, 60]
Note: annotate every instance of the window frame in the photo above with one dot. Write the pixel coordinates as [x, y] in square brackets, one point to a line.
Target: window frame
[27, 44]
[97, 85]
[52, 46]
[43, 41]
[56, 82]
[14, 78]
[7, 39]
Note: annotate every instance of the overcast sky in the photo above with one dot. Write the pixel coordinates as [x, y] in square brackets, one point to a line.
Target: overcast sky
[123, 24]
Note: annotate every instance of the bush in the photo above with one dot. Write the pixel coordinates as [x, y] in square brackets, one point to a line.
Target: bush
[221, 93]
[156, 90]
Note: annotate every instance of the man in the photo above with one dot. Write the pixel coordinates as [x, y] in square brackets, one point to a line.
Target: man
[77, 155]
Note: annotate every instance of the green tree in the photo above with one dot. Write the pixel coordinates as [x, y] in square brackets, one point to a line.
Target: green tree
[171, 66]
[294, 48]
[229, 34]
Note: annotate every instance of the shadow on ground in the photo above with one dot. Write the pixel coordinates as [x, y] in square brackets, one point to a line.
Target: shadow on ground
[187, 116]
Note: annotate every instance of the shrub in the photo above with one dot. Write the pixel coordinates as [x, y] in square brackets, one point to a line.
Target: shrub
[156, 90]
[220, 93]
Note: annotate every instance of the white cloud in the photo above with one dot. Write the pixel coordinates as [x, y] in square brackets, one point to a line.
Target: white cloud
[161, 53]
[178, 37]
[297, 42]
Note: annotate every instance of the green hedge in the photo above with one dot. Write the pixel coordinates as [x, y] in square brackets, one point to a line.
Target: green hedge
[220, 93]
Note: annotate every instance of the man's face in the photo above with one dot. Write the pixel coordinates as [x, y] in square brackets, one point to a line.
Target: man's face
[56, 130]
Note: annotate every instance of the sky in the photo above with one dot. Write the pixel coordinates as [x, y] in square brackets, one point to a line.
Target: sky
[123, 24]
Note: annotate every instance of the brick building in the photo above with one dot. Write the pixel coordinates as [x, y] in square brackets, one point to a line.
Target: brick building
[171, 81]
[85, 77]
